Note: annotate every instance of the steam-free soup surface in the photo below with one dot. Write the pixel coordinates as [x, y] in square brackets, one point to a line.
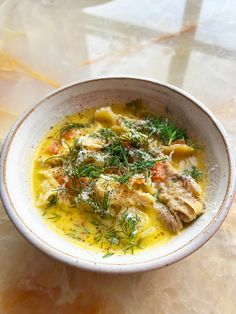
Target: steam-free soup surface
[118, 179]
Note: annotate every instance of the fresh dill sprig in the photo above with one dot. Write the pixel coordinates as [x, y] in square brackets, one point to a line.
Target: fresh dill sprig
[142, 166]
[108, 234]
[71, 126]
[132, 169]
[129, 227]
[106, 133]
[72, 155]
[123, 178]
[194, 173]
[127, 165]
[97, 222]
[100, 206]
[118, 155]
[167, 131]
[85, 229]
[119, 230]
[54, 157]
[88, 170]
[112, 236]
[75, 232]
[131, 124]
[135, 138]
[128, 224]
[54, 216]
[138, 167]
[52, 200]
[124, 229]
[108, 254]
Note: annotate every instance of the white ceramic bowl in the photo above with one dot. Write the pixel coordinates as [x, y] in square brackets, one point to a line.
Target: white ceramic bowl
[18, 150]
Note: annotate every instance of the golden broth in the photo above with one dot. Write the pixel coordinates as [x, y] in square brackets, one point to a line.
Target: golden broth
[79, 223]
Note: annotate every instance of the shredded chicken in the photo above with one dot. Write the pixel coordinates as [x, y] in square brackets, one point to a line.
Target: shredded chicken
[169, 217]
[122, 196]
[182, 198]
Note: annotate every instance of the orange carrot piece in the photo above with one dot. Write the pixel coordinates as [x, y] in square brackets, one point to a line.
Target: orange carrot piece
[158, 172]
[69, 135]
[54, 148]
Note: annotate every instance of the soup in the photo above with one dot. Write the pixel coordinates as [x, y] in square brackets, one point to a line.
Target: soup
[118, 179]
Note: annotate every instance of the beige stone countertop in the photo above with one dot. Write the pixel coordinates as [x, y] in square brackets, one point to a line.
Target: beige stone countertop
[45, 44]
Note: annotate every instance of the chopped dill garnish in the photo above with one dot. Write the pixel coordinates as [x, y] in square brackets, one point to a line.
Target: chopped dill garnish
[88, 170]
[85, 229]
[194, 173]
[124, 229]
[123, 178]
[167, 131]
[108, 254]
[129, 123]
[106, 133]
[128, 224]
[129, 227]
[142, 166]
[118, 155]
[97, 222]
[112, 236]
[126, 154]
[52, 200]
[74, 232]
[55, 216]
[69, 160]
[71, 126]
[99, 205]
[108, 234]
[135, 138]
[132, 169]
[55, 157]
[138, 167]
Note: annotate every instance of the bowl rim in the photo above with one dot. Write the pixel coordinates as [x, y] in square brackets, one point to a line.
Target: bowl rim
[155, 263]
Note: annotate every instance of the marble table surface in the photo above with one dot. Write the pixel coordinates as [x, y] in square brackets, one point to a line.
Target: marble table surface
[45, 44]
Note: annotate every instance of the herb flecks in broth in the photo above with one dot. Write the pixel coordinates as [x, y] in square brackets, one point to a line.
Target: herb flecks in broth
[118, 179]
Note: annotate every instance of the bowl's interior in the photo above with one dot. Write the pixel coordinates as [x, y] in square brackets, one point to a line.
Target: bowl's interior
[159, 98]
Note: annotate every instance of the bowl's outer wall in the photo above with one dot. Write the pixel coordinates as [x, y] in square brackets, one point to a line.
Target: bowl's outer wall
[19, 149]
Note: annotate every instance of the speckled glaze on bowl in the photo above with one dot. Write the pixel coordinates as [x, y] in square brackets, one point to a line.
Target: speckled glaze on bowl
[17, 156]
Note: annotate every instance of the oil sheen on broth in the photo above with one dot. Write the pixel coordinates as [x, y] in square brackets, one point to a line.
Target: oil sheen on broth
[118, 179]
